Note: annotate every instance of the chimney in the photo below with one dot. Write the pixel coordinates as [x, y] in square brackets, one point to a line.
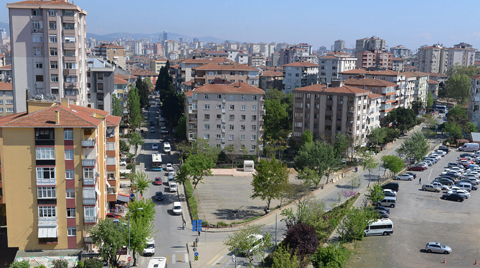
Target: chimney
[57, 117]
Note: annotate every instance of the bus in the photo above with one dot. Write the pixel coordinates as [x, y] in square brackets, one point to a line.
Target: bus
[157, 162]
[157, 262]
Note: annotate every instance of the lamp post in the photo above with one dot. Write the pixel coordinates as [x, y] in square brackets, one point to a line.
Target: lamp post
[129, 233]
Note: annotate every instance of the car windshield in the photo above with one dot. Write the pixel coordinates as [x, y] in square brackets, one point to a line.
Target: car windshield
[150, 246]
[442, 245]
[177, 207]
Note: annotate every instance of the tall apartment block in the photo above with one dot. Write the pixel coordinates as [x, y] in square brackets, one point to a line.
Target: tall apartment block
[299, 74]
[100, 84]
[371, 44]
[474, 101]
[338, 45]
[60, 170]
[48, 40]
[112, 53]
[226, 115]
[432, 59]
[333, 63]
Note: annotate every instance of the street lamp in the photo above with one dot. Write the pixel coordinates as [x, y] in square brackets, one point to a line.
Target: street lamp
[129, 233]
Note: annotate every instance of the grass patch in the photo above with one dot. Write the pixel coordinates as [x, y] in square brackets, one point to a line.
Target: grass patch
[249, 220]
[192, 203]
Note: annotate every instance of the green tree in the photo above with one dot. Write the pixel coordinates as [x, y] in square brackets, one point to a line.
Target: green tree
[415, 147]
[307, 137]
[275, 119]
[117, 110]
[458, 87]
[143, 91]
[454, 131]
[331, 257]
[310, 212]
[430, 100]
[141, 182]
[141, 225]
[172, 105]
[135, 140]
[243, 239]
[93, 263]
[282, 258]
[109, 236]
[354, 224]
[341, 144]
[269, 180]
[20, 264]
[124, 148]
[458, 69]
[375, 193]
[369, 163]
[470, 127]
[182, 127]
[309, 177]
[377, 136]
[199, 146]
[417, 105]
[318, 156]
[134, 108]
[60, 263]
[196, 166]
[401, 118]
[392, 163]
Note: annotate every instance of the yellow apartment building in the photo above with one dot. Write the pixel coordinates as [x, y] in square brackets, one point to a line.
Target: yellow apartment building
[59, 173]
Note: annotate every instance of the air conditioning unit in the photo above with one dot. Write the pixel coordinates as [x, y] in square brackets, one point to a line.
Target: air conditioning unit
[35, 30]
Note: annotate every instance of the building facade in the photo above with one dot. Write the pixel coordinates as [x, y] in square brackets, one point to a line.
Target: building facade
[100, 84]
[474, 101]
[339, 45]
[112, 53]
[370, 44]
[48, 50]
[62, 172]
[226, 115]
[331, 65]
[432, 59]
[6, 98]
[299, 74]
[400, 52]
[374, 59]
[229, 71]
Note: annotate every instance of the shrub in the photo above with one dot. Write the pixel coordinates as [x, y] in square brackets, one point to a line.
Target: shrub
[331, 256]
[130, 166]
[60, 263]
[20, 264]
[221, 223]
[302, 238]
[204, 223]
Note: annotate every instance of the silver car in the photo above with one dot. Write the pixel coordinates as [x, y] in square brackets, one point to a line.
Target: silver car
[404, 177]
[437, 248]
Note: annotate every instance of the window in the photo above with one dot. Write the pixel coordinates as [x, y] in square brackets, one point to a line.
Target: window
[70, 193]
[45, 153]
[69, 174]
[71, 231]
[232, 117]
[240, 73]
[71, 92]
[230, 137]
[243, 107]
[219, 106]
[69, 53]
[254, 118]
[39, 78]
[232, 107]
[36, 38]
[254, 107]
[110, 146]
[45, 173]
[39, 65]
[206, 136]
[68, 154]
[219, 96]
[207, 126]
[54, 78]
[253, 148]
[219, 126]
[242, 117]
[37, 25]
[53, 52]
[47, 211]
[88, 173]
[71, 40]
[207, 106]
[232, 97]
[36, 12]
[1, 102]
[37, 51]
[206, 96]
[211, 73]
[243, 97]
[232, 73]
[254, 127]
[52, 38]
[254, 97]
[207, 117]
[70, 212]
[72, 79]
[242, 127]
[219, 116]
[46, 192]
[52, 13]
[70, 65]
[53, 65]
[242, 137]
[232, 127]
[9, 110]
[254, 137]
[68, 13]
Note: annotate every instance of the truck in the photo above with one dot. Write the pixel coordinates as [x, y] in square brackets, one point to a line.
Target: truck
[469, 147]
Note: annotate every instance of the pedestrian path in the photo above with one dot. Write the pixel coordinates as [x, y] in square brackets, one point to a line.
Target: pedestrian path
[180, 257]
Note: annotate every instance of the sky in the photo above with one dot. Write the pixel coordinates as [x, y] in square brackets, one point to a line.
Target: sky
[409, 23]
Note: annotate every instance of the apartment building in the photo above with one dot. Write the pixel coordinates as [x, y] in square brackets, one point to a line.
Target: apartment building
[299, 74]
[374, 59]
[332, 64]
[146, 74]
[100, 84]
[433, 88]
[67, 158]
[121, 88]
[338, 45]
[48, 50]
[6, 98]
[226, 115]
[185, 69]
[328, 110]
[112, 53]
[271, 79]
[432, 59]
[6, 73]
[474, 100]
[400, 52]
[462, 54]
[299, 53]
[370, 44]
[257, 60]
[398, 64]
[156, 65]
[229, 71]
[420, 81]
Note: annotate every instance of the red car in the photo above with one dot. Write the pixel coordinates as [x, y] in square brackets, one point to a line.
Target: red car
[158, 181]
[416, 168]
[113, 216]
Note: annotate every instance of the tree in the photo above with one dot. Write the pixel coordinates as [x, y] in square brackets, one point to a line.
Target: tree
[415, 147]
[458, 87]
[417, 106]
[377, 135]
[141, 182]
[401, 118]
[318, 156]
[458, 69]
[134, 108]
[282, 258]
[172, 105]
[307, 137]
[60, 263]
[109, 237]
[310, 212]
[196, 166]
[20, 264]
[375, 193]
[454, 131]
[141, 225]
[275, 119]
[303, 239]
[269, 180]
[331, 256]
[199, 146]
[143, 91]
[392, 163]
[136, 140]
[369, 163]
[430, 100]
[354, 224]
[93, 263]
[117, 110]
[182, 127]
[309, 177]
[242, 240]
[341, 144]
[124, 148]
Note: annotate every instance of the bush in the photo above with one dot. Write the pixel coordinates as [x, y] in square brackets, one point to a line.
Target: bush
[93, 263]
[60, 263]
[20, 264]
[302, 238]
[221, 223]
[192, 203]
[80, 264]
[130, 166]
[204, 223]
[331, 256]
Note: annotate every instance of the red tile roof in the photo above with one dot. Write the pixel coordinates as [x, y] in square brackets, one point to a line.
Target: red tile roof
[189, 83]
[369, 82]
[374, 96]
[433, 82]
[414, 74]
[220, 67]
[235, 88]
[42, 3]
[121, 76]
[301, 64]
[143, 73]
[324, 88]
[6, 86]
[117, 80]
[438, 75]
[271, 73]
[113, 120]
[338, 53]
[397, 59]
[206, 60]
[476, 76]
[365, 72]
[189, 93]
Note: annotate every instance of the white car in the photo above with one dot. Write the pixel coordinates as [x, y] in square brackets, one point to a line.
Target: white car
[172, 186]
[439, 185]
[169, 167]
[458, 169]
[171, 173]
[154, 146]
[123, 163]
[177, 208]
[166, 147]
[440, 152]
[163, 130]
[391, 191]
[459, 191]
[404, 177]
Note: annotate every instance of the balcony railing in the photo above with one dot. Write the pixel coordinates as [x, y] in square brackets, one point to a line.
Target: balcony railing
[89, 181]
[90, 219]
[88, 162]
[89, 201]
[47, 221]
[88, 239]
[88, 143]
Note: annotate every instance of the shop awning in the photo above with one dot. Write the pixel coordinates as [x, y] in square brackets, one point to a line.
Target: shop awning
[122, 198]
[47, 232]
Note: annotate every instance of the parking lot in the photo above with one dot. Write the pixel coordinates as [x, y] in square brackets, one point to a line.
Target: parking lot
[420, 217]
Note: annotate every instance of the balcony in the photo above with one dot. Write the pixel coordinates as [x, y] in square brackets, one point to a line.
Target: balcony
[223, 121]
[223, 111]
[88, 162]
[47, 221]
[70, 84]
[87, 239]
[89, 181]
[89, 201]
[224, 100]
[223, 140]
[223, 130]
[90, 219]
[37, 30]
[88, 143]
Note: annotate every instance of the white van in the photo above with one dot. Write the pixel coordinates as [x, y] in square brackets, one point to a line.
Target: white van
[379, 227]
[465, 186]
[388, 201]
[150, 248]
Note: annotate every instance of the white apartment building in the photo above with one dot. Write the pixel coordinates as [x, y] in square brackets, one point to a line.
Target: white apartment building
[237, 56]
[474, 101]
[226, 115]
[100, 84]
[331, 65]
[299, 74]
[462, 54]
[432, 59]
[48, 50]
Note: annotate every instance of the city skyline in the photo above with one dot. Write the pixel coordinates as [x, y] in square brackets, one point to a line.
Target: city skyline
[318, 23]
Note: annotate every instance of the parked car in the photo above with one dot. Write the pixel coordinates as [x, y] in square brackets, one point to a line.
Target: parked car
[172, 186]
[423, 164]
[158, 181]
[383, 208]
[404, 177]
[159, 196]
[163, 130]
[463, 193]
[391, 185]
[465, 154]
[154, 146]
[454, 164]
[439, 185]
[123, 163]
[389, 193]
[177, 208]
[412, 174]
[453, 197]
[416, 168]
[430, 187]
[113, 216]
[437, 248]
[444, 148]
[440, 152]
[444, 181]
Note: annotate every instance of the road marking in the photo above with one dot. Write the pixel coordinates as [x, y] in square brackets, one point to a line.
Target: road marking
[210, 262]
[173, 259]
[186, 257]
[179, 257]
[168, 258]
[222, 262]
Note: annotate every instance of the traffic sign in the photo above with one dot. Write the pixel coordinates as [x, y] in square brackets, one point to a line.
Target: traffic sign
[196, 258]
[194, 249]
[129, 258]
[196, 253]
[197, 225]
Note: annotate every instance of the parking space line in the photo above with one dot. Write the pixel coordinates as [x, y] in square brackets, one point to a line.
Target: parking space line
[168, 258]
[220, 264]
[179, 256]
